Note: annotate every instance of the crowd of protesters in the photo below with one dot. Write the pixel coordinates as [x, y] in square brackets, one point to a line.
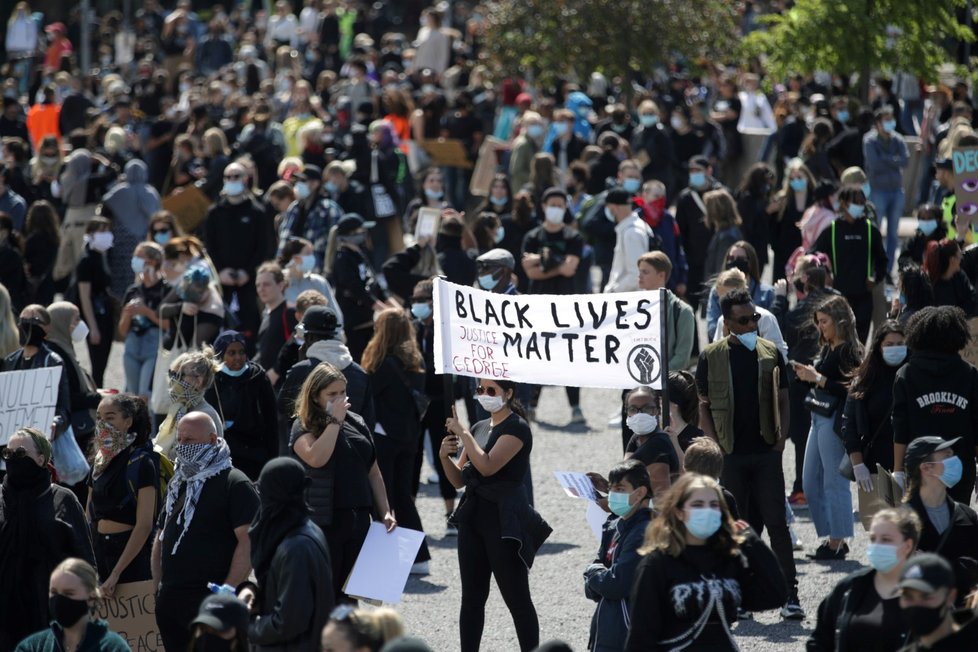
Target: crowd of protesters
[232, 195]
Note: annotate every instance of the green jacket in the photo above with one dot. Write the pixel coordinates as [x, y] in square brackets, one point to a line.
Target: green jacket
[680, 330]
[720, 379]
[97, 638]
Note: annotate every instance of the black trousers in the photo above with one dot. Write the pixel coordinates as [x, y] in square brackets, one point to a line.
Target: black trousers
[756, 481]
[176, 608]
[345, 537]
[99, 353]
[108, 550]
[396, 461]
[801, 423]
[483, 554]
[862, 310]
[434, 423]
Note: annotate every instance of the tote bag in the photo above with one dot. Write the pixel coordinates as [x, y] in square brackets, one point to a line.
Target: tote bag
[159, 400]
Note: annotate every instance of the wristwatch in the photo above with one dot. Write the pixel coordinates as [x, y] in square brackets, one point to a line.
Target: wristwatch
[819, 378]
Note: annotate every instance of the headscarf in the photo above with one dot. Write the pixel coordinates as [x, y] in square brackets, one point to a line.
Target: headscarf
[184, 397]
[111, 441]
[74, 178]
[196, 463]
[133, 201]
[281, 486]
[62, 313]
[226, 339]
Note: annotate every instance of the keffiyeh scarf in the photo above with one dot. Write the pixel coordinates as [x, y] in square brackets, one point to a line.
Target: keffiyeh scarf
[196, 463]
[111, 441]
[184, 397]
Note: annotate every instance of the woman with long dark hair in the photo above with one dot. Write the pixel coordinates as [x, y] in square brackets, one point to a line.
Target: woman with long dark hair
[499, 532]
[867, 431]
[755, 208]
[393, 361]
[794, 198]
[942, 264]
[741, 255]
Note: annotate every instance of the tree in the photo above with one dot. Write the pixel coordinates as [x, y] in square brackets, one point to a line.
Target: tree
[550, 39]
[858, 36]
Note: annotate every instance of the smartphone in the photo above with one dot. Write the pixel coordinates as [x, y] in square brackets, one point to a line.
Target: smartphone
[427, 225]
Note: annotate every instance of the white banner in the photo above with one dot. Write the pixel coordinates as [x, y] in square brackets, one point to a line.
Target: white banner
[580, 340]
[28, 398]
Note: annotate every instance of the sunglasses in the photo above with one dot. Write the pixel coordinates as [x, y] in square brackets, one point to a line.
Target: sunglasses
[751, 319]
[488, 391]
[631, 410]
[8, 454]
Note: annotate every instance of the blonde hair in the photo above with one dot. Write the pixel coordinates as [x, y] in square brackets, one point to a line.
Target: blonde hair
[312, 415]
[389, 622]
[216, 142]
[721, 210]
[83, 571]
[9, 336]
[200, 362]
[668, 531]
[731, 279]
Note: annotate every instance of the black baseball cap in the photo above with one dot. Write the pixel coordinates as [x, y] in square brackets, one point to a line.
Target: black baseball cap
[222, 612]
[699, 161]
[943, 164]
[923, 447]
[927, 572]
[553, 191]
[351, 222]
[618, 196]
[309, 172]
[319, 320]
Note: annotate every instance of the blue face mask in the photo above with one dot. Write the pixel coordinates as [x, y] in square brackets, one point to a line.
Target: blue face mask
[487, 282]
[835, 204]
[500, 234]
[162, 238]
[233, 374]
[421, 311]
[233, 188]
[856, 210]
[301, 190]
[749, 340]
[798, 184]
[534, 131]
[703, 522]
[308, 263]
[560, 128]
[952, 471]
[903, 299]
[137, 264]
[649, 120]
[894, 355]
[433, 194]
[498, 201]
[927, 226]
[883, 557]
[867, 189]
[697, 179]
[842, 116]
[331, 187]
[618, 503]
[631, 186]
[889, 126]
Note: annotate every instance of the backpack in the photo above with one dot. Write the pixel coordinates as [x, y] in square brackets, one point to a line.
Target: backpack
[163, 466]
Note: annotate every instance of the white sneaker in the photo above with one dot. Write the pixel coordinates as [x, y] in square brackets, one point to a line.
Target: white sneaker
[795, 539]
[433, 478]
[615, 420]
[420, 568]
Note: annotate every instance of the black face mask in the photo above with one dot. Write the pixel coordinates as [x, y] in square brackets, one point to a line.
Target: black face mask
[212, 643]
[741, 264]
[923, 620]
[31, 332]
[67, 611]
[23, 472]
[799, 285]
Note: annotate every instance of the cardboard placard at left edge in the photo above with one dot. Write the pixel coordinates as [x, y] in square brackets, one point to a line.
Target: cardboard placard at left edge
[447, 152]
[965, 168]
[131, 613]
[190, 205]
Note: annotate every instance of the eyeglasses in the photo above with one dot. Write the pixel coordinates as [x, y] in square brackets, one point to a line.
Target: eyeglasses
[631, 410]
[751, 319]
[488, 391]
[233, 177]
[17, 453]
[486, 267]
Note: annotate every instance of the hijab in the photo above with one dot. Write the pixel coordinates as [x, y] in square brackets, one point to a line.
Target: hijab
[74, 178]
[281, 486]
[133, 201]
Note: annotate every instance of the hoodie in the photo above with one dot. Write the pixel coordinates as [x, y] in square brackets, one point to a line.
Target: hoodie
[98, 638]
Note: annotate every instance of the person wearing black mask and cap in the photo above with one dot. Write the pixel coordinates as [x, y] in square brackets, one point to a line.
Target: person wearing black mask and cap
[41, 525]
[221, 625]
[349, 269]
[927, 602]
[294, 593]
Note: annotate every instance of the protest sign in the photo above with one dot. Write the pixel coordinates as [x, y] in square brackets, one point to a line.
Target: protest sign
[384, 563]
[965, 164]
[582, 340]
[28, 398]
[576, 485]
[596, 518]
[131, 612]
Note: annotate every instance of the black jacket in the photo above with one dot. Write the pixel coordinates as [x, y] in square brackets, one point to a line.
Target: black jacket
[867, 427]
[356, 287]
[247, 405]
[835, 612]
[238, 235]
[956, 291]
[45, 357]
[695, 233]
[959, 547]
[799, 331]
[392, 385]
[854, 260]
[457, 266]
[296, 596]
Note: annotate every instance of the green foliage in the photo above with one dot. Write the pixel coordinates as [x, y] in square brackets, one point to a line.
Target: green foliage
[858, 36]
[548, 39]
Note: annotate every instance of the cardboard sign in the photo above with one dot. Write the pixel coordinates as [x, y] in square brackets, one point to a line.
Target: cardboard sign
[580, 340]
[190, 205]
[384, 563]
[447, 152]
[965, 163]
[485, 166]
[131, 613]
[28, 398]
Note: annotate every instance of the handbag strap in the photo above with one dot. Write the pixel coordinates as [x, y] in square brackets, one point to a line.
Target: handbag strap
[374, 173]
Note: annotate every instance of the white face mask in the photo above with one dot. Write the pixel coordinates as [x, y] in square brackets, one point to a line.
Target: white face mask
[641, 423]
[491, 404]
[554, 214]
[101, 240]
[79, 332]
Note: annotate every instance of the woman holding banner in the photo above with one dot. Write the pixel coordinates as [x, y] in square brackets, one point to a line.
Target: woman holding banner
[74, 592]
[499, 532]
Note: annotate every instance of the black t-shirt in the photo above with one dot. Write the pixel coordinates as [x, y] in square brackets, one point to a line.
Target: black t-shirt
[112, 498]
[656, 449]
[745, 399]
[92, 269]
[276, 328]
[487, 436]
[687, 435]
[227, 501]
[559, 245]
[352, 459]
[876, 624]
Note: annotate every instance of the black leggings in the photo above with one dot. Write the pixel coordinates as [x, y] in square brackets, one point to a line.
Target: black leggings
[483, 553]
[396, 461]
[434, 424]
[345, 537]
[99, 353]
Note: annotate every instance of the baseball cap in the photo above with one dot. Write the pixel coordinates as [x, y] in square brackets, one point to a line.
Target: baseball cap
[943, 164]
[222, 612]
[351, 222]
[618, 195]
[926, 572]
[497, 257]
[699, 162]
[309, 172]
[923, 447]
[553, 191]
[319, 320]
